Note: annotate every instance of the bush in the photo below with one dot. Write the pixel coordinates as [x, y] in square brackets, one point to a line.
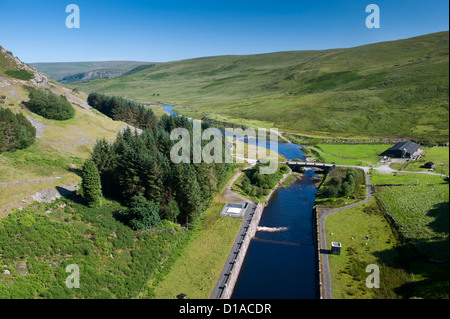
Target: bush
[142, 213]
[331, 191]
[20, 74]
[49, 105]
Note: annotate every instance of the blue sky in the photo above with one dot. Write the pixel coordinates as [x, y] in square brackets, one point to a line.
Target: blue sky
[158, 31]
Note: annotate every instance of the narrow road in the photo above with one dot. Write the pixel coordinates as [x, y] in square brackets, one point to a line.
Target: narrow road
[326, 279]
[228, 195]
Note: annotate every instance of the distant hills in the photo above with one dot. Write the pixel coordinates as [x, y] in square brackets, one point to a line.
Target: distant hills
[68, 72]
[396, 89]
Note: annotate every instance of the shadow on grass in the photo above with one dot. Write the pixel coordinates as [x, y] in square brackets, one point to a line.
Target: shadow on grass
[72, 195]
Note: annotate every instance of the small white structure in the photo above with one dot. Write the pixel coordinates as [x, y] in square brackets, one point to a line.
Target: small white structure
[336, 248]
[234, 210]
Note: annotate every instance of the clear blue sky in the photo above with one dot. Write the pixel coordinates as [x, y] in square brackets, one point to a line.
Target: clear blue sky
[167, 30]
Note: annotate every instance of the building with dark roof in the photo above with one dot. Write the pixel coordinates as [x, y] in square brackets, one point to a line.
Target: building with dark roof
[402, 150]
[429, 165]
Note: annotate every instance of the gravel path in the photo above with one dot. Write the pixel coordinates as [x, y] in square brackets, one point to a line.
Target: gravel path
[38, 126]
[229, 196]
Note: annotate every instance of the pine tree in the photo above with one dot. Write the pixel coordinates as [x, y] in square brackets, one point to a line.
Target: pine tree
[188, 193]
[91, 185]
[2, 139]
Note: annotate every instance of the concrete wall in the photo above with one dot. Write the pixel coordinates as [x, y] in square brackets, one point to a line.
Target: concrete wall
[237, 265]
[319, 261]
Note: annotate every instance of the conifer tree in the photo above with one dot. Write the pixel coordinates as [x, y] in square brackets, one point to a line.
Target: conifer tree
[91, 185]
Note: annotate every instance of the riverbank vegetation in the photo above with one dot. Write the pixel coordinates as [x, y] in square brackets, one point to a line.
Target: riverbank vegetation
[256, 186]
[341, 187]
[120, 109]
[197, 267]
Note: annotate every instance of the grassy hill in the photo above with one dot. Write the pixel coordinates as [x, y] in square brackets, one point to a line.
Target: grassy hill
[60, 147]
[68, 72]
[388, 89]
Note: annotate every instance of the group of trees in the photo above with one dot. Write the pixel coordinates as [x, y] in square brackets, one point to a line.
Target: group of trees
[16, 132]
[136, 169]
[50, 105]
[120, 109]
[339, 186]
[254, 183]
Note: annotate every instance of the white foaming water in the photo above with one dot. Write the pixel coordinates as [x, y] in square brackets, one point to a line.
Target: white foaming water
[271, 229]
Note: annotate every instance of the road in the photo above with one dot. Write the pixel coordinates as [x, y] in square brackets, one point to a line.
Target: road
[326, 279]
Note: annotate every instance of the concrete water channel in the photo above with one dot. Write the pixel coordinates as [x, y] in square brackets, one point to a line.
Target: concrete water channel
[274, 255]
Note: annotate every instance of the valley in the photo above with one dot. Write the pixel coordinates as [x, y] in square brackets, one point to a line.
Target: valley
[343, 107]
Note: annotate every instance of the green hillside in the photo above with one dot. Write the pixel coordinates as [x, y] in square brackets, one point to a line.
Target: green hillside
[388, 89]
[61, 70]
[60, 147]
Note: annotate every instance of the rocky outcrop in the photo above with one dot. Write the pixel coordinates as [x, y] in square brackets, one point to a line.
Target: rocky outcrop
[39, 79]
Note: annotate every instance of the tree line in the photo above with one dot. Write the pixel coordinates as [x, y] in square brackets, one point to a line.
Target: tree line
[16, 132]
[120, 109]
[136, 169]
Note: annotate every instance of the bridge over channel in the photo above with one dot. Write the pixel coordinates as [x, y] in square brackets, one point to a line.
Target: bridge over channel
[322, 166]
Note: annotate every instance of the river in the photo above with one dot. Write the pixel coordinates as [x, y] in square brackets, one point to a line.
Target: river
[289, 150]
[281, 261]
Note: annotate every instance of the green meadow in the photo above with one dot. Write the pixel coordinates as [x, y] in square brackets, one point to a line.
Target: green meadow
[348, 270]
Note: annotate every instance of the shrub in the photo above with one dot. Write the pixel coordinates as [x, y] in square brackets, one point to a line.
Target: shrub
[49, 105]
[142, 214]
[20, 74]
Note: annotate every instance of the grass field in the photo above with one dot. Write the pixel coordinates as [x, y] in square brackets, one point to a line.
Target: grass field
[348, 269]
[420, 208]
[197, 270]
[422, 212]
[348, 154]
[405, 178]
[390, 89]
